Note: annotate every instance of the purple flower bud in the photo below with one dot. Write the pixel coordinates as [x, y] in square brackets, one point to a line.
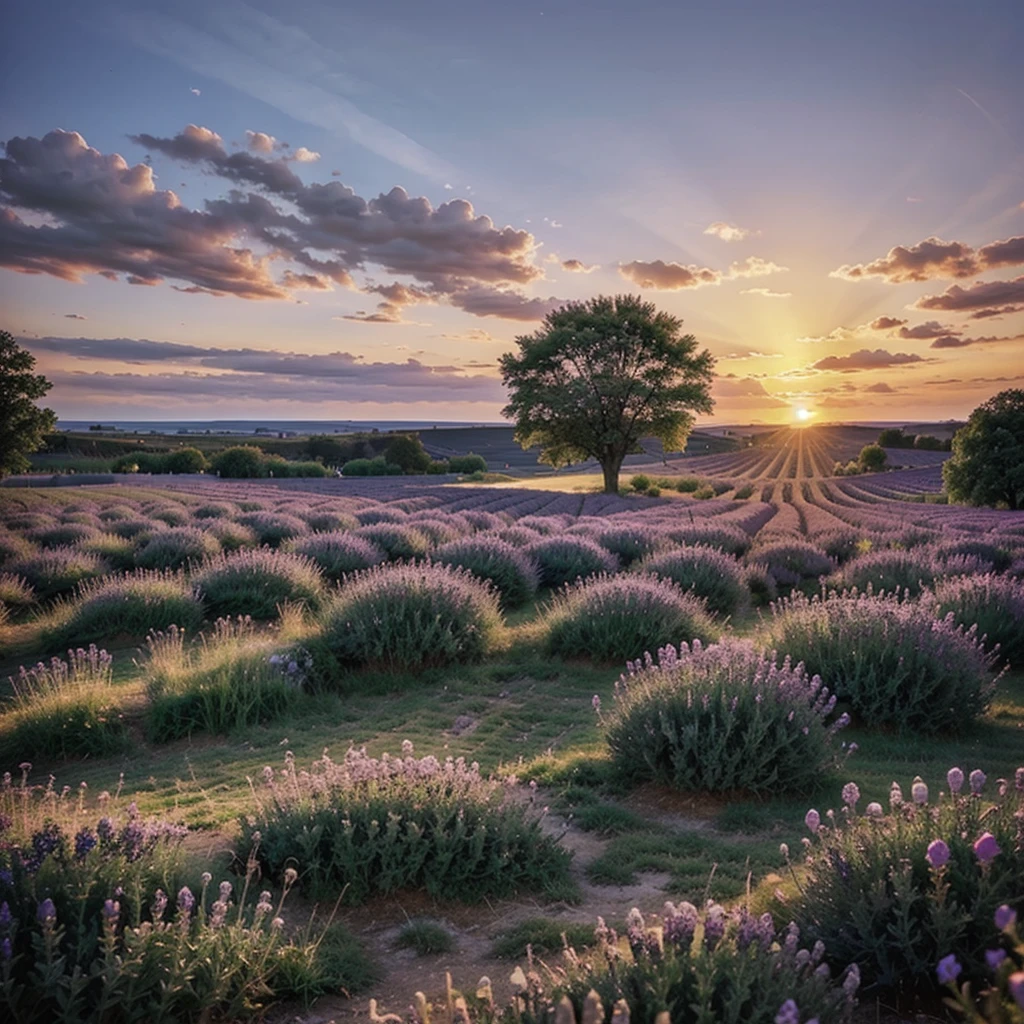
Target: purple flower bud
[986, 848]
[47, 913]
[789, 1013]
[955, 779]
[977, 780]
[186, 901]
[938, 853]
[851, 794]
[948, 969]
[1005, 917]
[919, 791]
[111, 910]
[874, 810]
[812, 819]
[994, 957]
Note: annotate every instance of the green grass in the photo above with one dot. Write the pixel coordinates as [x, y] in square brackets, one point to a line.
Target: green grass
[544, 936]
[426, 938]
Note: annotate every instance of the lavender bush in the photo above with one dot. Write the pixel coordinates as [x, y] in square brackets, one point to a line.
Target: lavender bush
[792, 562]
[176, 548]
[230, 535]
[512, 572]
[116, 552]
[61, 534]
[897, 891]
[338, 553]
[630, 543]
[1003, 1001]
[722, 718]
[706, 572]
[612, 618]
[410, 615]
[995, 604]
[14, 547]
[56, 571]
[215, 510]
[365, 825]
[894, 664]
[889, 571]
[14, 591]
[565, 559]
[256, 582]
[395, 540]
[326, 521]
[726, 536]
[273, 528]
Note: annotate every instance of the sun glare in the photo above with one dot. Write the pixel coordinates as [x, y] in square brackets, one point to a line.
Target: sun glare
[803, 415]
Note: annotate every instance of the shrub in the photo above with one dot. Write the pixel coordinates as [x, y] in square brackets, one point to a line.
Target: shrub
[744, 492]
[640, 482]
[512, 572]
[687, 484]
[998, 557]
[426, 937]
[565, 559]
[116, 552]
[895, 665]
[28, 520]
[404, 616]
[439, 530]
[255, 582]
[57, 571]
[518, 536]
[324, 521]
[235, 677]
[792, 562]
[438, 467]
[304, 469]
[176, 547]
[118, 513]
[843, 545]
[704, 493]
[470, 463]
[273, 528]
[899, 891]
[705, 572]
[995, 604]
[377, 466]
[123, 605]
[380, 514]
[239, 462]
[62, 534]
[872, 458]
[722, 718]
[891, 570]
[14, 547]
[714, 535]
[231, 536]
[138, 527]
[64, 709]
[214, 510]
[631, 543]
[408, 452]
[14, 591]
[363, 826]
[172, 515]
[396, 541]
[338, 554]
[612, 618]
[760, 583]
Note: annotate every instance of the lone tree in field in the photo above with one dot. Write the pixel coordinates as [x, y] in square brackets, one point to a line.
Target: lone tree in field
[987, 465]
[601, 374]
[22, 424]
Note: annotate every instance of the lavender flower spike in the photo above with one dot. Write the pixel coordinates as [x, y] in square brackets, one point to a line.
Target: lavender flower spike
[948, 969]
[955, 780]
[938, 853]
[986, 848]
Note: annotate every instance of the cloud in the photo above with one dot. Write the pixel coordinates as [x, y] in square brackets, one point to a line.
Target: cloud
[881, 388]
[983, 295]
[473, 334]
[578, 267]
[668, 276]
[305, 156]
[766, 293]
[754, 266]
[866, 359]
[929, 329]
[959, 342]
[886, 323]
[100, 215]
[727, 232]
[259, 142]
[995, 311]
[745, 392]
[75, 316]
[933, 258]
[396, 297]
[196, 92]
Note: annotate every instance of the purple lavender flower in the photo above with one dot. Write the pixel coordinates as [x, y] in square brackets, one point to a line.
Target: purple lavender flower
[874, 810]
[789, 1013]
[812, 819]
[111, 911]
[186, 901]
[938, 853]
[679, 924]
[994, 957]
[85, 841]
[986, 848]
[46, 914]
[851, 794]
[105, 830]
[977, 780]
[1005, 918]
[948, 969]
[919, 791]
[5, 915]
[714, 925]
[955, 780]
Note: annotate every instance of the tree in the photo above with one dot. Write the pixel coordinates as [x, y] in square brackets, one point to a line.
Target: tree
[186, 460]
[240, 462]
[892, 437]
[408, 452]
[600, 375]
[987, 464]
[872, 458]
[23, 425]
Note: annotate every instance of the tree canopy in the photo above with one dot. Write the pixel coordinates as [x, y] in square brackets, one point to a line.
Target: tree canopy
[600, 375]
[987, 465]
[872, 458]
[23, 425]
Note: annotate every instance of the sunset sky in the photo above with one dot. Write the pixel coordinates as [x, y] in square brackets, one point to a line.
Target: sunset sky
[231, 209]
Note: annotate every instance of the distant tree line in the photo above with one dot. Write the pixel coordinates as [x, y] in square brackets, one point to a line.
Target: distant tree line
[894, 437]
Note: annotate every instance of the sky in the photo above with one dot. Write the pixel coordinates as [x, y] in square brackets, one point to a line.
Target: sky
[235, 209]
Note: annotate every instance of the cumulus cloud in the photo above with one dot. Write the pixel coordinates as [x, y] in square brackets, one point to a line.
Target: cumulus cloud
[305, 156]
[933, 258]
[983, 295]
[75, 316]
[866, 359]
[578, 266]
[395, 297]
[886, 323]
[951, 341]
[195, 91]
[727, 232]
[100, 215]
[766, 293]
[754, 266]
[745, 392]
[995, 312]
[929, 329]
[668, 276]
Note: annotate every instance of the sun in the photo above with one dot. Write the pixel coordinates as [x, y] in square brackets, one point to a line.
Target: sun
[803, 415]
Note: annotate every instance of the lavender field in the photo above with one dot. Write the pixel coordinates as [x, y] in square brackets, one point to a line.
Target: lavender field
[471, 719]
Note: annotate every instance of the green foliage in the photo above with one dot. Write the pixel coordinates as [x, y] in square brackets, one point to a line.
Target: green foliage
[337, 553]
[175, 548]
[467, 464]
[185, 460]
[995, 604]
[898, 891]
[377, 466]
[411, 615]
[601, 374]
[545, 936]
[872, 458]
[564, 559]
[364, 826]
[239, 462]
[706, 572]
[987, 464]
[511, 571]
[640, 482]
[720, 719]
[894, 664]
[23, 425]
[57, 571]
[612, 618]
[426, 937]
[893, 437]
[744, 492]
[256, 582]
[233, 678]
[687, 484]
[704, 493]
[408, 452]
[929, 443]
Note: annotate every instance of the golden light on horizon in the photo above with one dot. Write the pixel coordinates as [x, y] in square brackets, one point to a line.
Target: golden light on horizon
[803, 415]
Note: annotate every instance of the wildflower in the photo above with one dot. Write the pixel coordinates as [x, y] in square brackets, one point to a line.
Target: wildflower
[218, 912]
[784, 850]
[1005, 917]
[874, 810]
[277, 924]
[812, 819]
[207, 878]
[851, 982]
[186, 901]
[955, 780]
[714, 925]
[84, 842]
[938, 853]
[994, 957]
[948, 969]
[679, 924]
[159, 905]
[290, 876]
[789, 1013]
[47, 913]
[111, 910]
[895, 795]
[851, 794]
[225, 891]
[986, 848]
[595, 703]
[919, 791]
[1015, 984]
[977, 780]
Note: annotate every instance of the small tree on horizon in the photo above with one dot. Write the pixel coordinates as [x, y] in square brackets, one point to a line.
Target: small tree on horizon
[601, 374]
[23, 425]
[872, 458]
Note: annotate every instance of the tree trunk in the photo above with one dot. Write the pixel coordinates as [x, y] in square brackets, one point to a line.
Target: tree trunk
[610, 466]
